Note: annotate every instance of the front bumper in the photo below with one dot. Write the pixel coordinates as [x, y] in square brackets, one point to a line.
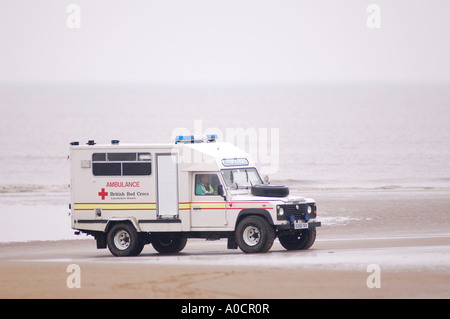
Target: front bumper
[291, 226]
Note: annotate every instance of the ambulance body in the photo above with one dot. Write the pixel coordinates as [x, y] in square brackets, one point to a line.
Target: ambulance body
[130, 195]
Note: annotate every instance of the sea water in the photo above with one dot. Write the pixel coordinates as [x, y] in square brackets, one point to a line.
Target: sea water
[331, 137]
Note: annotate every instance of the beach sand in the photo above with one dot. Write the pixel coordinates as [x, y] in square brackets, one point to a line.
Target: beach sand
[412, 263]
[39, 270]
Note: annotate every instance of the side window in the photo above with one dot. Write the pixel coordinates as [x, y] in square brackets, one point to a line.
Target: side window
[206, 184]
[121, 164]
[136, 169]
[106, 169]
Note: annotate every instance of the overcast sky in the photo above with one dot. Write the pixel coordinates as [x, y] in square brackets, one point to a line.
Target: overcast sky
[227, 41]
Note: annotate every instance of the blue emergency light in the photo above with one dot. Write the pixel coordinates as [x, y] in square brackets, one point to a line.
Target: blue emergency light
[191, 139]
[307, 217]
[184, 139]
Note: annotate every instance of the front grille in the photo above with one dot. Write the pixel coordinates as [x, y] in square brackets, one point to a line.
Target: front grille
[298, 210]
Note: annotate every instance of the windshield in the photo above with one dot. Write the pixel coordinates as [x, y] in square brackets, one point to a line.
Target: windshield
[241, 177]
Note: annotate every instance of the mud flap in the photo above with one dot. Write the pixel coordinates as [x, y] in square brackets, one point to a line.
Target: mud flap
[101, 240]
[232, 244]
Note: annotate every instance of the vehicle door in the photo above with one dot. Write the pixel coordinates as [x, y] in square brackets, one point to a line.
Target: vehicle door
[208, 209]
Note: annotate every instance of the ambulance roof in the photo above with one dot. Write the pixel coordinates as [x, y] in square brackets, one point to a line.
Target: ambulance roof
[203, 156]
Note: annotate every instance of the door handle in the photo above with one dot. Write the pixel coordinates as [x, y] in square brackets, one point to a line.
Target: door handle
[196, 207]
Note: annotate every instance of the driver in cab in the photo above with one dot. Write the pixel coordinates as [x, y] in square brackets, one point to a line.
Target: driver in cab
[203, 186]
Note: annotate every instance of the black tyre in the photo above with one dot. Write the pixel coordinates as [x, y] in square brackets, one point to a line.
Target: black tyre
[298, 240]
[254, 235]
[169, 244]
[270, 190]
[141, 244]
[124, 240]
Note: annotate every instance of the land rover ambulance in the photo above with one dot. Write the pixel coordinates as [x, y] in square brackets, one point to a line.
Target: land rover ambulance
[130, 195]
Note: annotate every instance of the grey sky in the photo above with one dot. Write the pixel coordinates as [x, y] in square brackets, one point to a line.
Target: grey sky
[233, 41]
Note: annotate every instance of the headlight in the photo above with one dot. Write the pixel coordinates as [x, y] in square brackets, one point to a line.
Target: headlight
[309, 209]
[281, 211]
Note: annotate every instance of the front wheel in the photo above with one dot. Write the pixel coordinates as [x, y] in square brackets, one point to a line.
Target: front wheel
[254, 235]
[298, 240]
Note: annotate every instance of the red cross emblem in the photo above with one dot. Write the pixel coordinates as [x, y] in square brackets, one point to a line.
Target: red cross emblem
[103, 194]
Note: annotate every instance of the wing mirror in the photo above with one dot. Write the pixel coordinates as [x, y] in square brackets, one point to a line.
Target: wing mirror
[221, 192]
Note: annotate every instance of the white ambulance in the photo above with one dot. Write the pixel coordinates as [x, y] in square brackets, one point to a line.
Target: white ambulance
[130, 195]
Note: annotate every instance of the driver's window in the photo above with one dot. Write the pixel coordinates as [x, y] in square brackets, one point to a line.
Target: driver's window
[206, 184]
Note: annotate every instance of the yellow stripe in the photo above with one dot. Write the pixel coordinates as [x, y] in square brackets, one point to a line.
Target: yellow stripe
[184, 206]
[115, 206]
[143, 206]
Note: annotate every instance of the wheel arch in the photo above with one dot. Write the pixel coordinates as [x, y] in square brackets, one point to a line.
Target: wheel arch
[116, 220]
[254, 211]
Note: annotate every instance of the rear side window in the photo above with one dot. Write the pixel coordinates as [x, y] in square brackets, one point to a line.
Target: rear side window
[115, 157]
[106, 169]
[136, 169]
[121, 164]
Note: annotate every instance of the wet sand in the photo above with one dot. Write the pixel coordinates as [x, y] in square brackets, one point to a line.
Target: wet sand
[405, 234]
[207, 270]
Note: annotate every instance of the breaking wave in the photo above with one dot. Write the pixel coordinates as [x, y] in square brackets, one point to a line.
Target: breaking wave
[28, 188]
[293, 185]
[399, 185]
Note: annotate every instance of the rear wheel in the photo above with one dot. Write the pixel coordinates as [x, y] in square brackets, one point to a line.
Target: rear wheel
[254, 235]
[169, 244]
[298, 240]
[124, 240]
